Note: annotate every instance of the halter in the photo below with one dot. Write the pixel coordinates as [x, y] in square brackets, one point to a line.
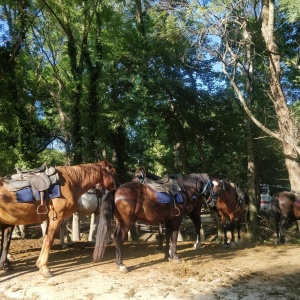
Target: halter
[208, 185]
[205, 187]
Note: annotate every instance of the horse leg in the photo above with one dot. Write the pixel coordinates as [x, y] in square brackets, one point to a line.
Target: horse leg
[173, 247]
[225, 243]
[238, 227]
[63, 231]
[225, 229]
[160, 237]
[277, 221]
[197, 224]
[281, 231]
[7, 231]
[119, 241]
[231, 227]
[171, 242]
[42, 262]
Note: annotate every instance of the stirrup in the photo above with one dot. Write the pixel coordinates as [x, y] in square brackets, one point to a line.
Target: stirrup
[40, 211]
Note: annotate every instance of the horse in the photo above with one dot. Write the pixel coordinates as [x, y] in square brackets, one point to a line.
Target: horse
[230, 204]
[284, 205]
[88, 204]
[198, 188]
[73, 182]
[131, 202]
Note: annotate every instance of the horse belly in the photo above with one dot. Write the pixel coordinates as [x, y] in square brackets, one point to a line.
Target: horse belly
[19, 214]
[156, 213]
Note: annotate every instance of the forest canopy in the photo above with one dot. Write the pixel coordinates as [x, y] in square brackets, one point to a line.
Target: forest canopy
[152, 83]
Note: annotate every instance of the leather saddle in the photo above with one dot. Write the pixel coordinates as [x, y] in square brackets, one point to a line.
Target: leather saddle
[39, 179]
[164, 185]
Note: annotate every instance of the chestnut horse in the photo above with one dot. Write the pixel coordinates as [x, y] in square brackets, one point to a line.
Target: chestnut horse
[284, 205]
[198, 188]
[73, 181]
[230, 204]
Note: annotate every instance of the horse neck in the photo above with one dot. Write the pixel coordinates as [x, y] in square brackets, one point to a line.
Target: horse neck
[187, 187]
[83, 177]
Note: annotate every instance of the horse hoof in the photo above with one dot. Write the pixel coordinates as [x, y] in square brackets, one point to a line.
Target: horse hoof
[232, 245]
[10, 258]
[197, 246]
[225, 246]
[6, 267]
[123, 269]
[46, 273]
[175, 260]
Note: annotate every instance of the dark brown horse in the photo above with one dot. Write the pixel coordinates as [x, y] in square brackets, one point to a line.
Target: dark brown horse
[198, 189]
[135, 201]
[73, 181]
[230, 204]
[284, 206]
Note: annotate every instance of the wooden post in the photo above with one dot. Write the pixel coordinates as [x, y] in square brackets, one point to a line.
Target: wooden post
[76, 228]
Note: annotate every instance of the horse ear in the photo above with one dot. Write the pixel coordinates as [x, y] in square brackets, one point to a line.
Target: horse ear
[107, 164]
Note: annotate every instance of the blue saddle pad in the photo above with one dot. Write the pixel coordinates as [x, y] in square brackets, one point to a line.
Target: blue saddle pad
[53, 192]
[26, 195]
[166, 198]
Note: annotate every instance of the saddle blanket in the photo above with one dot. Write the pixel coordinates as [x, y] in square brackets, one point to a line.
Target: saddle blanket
[27, 195]
[166, 198]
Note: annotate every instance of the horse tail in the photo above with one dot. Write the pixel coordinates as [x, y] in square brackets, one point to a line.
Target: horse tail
[105, 225]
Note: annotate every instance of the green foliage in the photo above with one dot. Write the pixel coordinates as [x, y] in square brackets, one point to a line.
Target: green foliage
[88, 75]
[52, 158]
[292, 9]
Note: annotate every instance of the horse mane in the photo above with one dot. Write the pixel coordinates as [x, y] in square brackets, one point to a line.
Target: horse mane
[88, 171]
[191, 180]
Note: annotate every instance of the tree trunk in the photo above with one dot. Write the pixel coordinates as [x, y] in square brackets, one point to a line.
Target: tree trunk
[252, 230]
[285, 120]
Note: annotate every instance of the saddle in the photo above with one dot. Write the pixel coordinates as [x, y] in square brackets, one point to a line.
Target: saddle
[164, 185]
[39, 179]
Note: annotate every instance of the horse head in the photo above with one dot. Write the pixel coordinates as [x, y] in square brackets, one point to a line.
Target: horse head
[110, 179]
[139, 175]
[217, 187]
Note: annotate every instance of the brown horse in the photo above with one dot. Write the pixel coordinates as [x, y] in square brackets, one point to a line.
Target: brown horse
[130, 202]
[196, 186]
[230, 204]
[284, 206]
[73, 181]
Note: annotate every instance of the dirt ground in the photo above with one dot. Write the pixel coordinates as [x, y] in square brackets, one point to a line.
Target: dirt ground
[251, 271]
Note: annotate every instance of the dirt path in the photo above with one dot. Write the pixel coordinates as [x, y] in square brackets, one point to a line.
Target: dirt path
[247, 272]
